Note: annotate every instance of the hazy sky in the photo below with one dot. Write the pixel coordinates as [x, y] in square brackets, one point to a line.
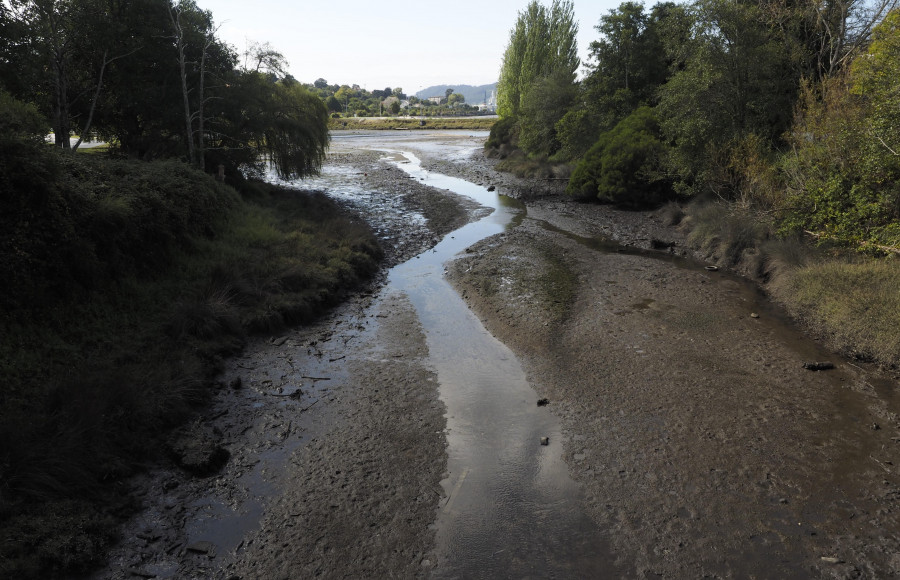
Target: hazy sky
[392, 43]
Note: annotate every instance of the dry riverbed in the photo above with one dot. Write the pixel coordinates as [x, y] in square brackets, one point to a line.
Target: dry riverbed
[702, 446]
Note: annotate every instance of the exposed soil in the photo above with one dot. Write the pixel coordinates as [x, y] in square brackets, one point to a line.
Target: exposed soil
[334, 434]
[701, 444]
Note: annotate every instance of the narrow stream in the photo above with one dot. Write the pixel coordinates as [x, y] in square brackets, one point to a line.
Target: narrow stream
[511, 508]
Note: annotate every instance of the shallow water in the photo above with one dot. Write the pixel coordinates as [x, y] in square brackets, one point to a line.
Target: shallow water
[511, 508]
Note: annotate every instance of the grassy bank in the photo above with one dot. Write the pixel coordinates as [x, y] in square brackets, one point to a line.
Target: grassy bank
[430, 123]
[124, 286]
[848, 298]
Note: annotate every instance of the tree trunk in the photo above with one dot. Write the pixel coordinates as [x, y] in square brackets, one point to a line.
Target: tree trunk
[61, 122]
[175, 16]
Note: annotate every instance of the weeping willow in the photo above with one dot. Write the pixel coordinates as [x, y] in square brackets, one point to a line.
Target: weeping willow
[295, 137]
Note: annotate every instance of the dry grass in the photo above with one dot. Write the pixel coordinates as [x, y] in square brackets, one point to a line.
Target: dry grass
[854, 302]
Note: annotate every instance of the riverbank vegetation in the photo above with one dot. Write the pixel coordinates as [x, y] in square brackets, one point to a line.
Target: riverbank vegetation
[483, 123]
[125, 283]
[130, 273]
[354, 102]
[776, 124]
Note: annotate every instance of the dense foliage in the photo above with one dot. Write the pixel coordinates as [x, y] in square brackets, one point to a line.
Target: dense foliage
[791, 108]
[151, 78]
[345, 101]
[625, 165]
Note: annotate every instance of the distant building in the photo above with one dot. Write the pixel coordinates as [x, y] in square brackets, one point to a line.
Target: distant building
[436, 100]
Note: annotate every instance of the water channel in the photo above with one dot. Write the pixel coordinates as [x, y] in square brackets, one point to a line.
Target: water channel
[511, 507]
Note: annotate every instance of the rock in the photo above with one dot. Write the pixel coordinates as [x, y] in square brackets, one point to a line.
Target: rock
[818, 366]
[543, 402]
[197, 450]
[279, 341]
[830, 560]
[141, 573]
[712, 268]
[492, 188]
[545, 441]
[203, 547]
[661, 244]
[754, 315]
[236, 383]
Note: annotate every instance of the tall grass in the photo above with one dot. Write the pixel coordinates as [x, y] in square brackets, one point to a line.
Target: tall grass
[854, 302]
[849, 298]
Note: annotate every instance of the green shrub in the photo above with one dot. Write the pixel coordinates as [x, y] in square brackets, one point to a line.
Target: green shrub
[21, 121]
[504, 138]
[623, 166]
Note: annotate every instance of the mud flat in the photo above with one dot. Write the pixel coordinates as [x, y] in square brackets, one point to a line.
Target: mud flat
[334, 432]
[699, 444]
[700, 441]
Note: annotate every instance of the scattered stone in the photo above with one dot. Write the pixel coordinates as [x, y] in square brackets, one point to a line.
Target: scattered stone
[543, 402]
[754, 315]
[203, 547]
[279, 341]
[818, 366]
[712, 268]
[830, 560]
[545, 441]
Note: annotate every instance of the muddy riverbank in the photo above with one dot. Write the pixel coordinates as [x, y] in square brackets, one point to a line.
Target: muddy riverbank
[699, 444]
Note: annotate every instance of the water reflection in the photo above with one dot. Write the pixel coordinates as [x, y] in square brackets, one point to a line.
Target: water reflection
[511, 507]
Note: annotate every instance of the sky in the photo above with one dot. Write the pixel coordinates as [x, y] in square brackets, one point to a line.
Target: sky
[395, 43]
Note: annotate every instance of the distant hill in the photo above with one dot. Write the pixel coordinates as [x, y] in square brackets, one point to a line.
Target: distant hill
[473, 95]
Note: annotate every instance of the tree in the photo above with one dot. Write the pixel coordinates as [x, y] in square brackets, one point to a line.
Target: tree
[735, 86]
[628, 65]
[542, 58]
[543, 43]
[320, 83]
[625, 166]
[842, 173]
[542, 108]
[333, 105]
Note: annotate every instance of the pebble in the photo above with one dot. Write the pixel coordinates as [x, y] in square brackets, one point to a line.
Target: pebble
[545, 441]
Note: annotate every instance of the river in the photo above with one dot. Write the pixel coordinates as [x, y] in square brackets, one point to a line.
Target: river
[401, 437]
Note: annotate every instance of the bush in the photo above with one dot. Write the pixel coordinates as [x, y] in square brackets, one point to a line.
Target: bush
[503, 139]
[624, 165]
[20, 121]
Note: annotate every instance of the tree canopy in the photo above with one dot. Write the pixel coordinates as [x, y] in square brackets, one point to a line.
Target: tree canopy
[152, 78]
